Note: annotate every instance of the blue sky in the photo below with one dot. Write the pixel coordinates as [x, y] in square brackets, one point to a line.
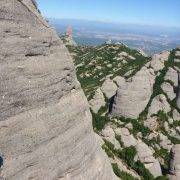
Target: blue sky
[150, 12]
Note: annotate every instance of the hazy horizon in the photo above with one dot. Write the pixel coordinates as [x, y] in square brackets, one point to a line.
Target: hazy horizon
[162, 13]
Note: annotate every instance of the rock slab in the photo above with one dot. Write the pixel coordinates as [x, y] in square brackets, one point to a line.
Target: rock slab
[133, 96]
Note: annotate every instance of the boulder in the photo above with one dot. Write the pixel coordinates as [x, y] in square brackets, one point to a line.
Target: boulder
[157, 62]
[176, 115]
[145, 155]
[166, 126]
[45, 123]
[169, 90]
[127, 138]
[172, 76]
[109, 88]
[165, 142]
[97, 101]
[109, 135]
[159, 103]
[119, 81]
[175, 163]
[151, 123]
[133, 96]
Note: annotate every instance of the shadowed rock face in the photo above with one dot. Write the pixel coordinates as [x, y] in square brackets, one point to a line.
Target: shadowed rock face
[45, 122]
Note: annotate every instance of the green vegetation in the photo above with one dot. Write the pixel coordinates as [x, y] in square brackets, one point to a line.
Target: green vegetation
[138, 126]
[158, 82]
[93, 64]
[99, 121]
[128, 154]
[121, 174]
[108, 151]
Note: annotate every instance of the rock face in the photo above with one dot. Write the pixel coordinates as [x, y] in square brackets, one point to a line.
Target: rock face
[175, 162]
[172, 76]
[133, 96]
[176, 115]
[45, 125]
[98, 101]
[159, 103]
[145, 155]
[157, 62]
[169, 90]
[109, 88]
[127, 139]
[108, 134]
[178, 93]
[151, 123]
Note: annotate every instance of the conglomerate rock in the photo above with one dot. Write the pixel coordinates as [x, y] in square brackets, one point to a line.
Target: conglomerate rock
[157, 62]
[145, 155]
[133, 96]
[45, 122]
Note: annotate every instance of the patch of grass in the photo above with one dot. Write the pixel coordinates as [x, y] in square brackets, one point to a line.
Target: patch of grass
[108, 151]
[99, 121]
[128, 154]
[123, 175]
[118, 138]
[138, 126]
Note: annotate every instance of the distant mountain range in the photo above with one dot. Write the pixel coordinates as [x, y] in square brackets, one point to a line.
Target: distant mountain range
[151, 39]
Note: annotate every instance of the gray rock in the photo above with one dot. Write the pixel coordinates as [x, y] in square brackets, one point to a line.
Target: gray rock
[159, 103]
[151, 123]
[46, 126]
[176, 115]
[97, 101]
[132, 97]
[166, 126]
[172, 75]
[119, 81]
[157, 62]
[145, 155]
[169, 90]
[175, 162]
[108, 134]
[170, 120]
[129, 126]
[127, 139]
[109, 88]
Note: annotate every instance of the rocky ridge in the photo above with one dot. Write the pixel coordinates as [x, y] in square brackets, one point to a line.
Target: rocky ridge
[143, 112]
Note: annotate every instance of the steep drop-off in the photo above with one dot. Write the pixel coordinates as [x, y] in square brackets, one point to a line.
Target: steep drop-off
[45, 122]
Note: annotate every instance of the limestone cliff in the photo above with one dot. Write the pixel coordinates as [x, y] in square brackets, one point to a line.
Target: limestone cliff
[45, 122]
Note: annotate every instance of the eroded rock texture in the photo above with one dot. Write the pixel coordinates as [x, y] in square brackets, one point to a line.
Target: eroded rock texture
[133, 96]
[45, 123]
